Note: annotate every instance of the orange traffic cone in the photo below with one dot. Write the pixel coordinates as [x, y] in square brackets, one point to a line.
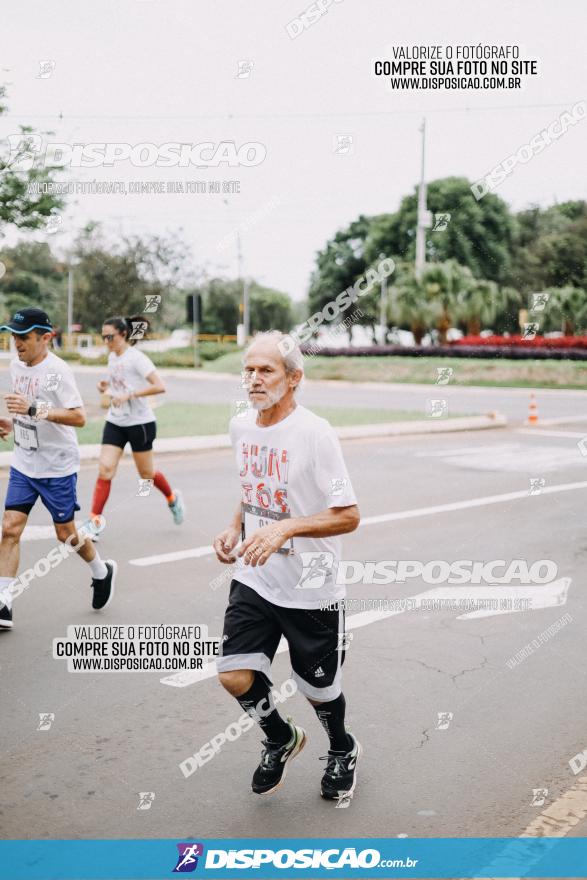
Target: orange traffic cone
[533, 410]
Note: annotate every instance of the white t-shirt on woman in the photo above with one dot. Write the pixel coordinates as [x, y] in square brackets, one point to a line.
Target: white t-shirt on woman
[126, 373]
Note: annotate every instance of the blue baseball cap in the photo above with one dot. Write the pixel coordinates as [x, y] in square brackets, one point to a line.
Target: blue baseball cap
[26, 320]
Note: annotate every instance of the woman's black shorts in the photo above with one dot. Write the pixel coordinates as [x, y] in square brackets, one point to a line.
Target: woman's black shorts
[140, 437]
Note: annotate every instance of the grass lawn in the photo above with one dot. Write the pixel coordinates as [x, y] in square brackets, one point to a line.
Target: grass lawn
[181, 420]
[495, 372]
[467, 371]
[172, 357]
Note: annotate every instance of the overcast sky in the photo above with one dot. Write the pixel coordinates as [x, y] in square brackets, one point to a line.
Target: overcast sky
[155, 71]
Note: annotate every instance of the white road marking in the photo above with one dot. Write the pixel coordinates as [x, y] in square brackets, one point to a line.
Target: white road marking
[557, 819]
[185, 679]
[193, 552]
[472, 502]
[41, 533]
[562, 815]
[38, 533]
[544, 595]
[387, 517]
[540, 596]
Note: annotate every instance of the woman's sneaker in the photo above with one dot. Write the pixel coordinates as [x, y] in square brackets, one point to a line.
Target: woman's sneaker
[177, 507]
[92, 528]
[272, 770]
[340, 777]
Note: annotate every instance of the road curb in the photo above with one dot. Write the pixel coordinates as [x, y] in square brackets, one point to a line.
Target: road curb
[431, 426]
[91, 451]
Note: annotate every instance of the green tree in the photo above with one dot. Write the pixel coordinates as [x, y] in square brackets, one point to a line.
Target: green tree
[270, 309]
[221, 301]
[445, 296]
[339, 265]
[479, 234]
[550, 248]
[479, 305]
[411, 307]
[20, 205]
[445, 287]
[115, 279]
[34, 277]
[509, 303]
[566, 309]
[222, 307]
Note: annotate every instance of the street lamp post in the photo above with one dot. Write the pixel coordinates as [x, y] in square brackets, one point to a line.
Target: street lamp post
[383, 306]
[69, 301]
[424, 219]
[195, 329]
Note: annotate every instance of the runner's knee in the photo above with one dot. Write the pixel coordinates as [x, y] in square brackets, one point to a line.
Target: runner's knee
[237, 682]
[106, 471]
[63, 531]
[11, 531]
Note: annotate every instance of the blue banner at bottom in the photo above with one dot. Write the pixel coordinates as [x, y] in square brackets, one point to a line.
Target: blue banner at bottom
[304, 857]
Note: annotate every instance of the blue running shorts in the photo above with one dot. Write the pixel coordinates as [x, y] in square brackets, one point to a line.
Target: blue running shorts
[58, 494]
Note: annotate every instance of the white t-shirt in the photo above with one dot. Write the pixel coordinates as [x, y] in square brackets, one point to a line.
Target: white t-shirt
[41, 448]
[293, 468]
[128, 372]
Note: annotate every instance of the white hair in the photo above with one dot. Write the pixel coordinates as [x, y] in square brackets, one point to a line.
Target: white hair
[293, 359]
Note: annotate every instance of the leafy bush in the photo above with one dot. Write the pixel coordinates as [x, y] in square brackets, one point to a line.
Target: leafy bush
[210, 351]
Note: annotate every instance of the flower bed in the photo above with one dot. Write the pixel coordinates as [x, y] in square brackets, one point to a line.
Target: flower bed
[505, 350]
[538, 341]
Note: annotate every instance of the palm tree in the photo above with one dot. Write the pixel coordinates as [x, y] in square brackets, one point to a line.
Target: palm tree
[410, 305]
[478, 305]
[567, 308]
[445, 287]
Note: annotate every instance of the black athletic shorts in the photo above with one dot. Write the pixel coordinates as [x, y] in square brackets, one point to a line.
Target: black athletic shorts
[252, 631]
[140, 437]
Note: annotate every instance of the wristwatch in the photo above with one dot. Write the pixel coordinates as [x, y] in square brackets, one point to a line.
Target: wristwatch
[32, 410]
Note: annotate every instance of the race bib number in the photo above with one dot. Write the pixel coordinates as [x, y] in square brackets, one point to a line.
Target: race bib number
[25, 436]
[253, 518]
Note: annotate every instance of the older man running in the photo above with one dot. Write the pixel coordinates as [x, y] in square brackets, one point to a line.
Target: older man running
[296, 501]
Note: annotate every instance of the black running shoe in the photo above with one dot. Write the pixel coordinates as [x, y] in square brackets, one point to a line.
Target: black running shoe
[104, 588]
[274, 760]
[5, 617]
[340, 777]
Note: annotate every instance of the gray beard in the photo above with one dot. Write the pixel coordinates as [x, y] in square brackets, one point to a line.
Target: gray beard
[272, 397]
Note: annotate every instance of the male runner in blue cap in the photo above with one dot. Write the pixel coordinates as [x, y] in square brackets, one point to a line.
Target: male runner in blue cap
[45, 407]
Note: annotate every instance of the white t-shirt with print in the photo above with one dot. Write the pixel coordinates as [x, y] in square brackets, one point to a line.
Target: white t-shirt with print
[45, 449]
[293, 468]
[128, 372]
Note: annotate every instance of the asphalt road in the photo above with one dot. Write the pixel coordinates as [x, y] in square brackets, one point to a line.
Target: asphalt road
[203, 387]
[512, 730]
[513, 402]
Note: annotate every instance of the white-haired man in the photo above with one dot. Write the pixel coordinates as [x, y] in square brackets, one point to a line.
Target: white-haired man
[296, 501]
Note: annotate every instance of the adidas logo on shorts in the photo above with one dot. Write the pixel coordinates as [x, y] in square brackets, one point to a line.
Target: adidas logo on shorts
[319, 673]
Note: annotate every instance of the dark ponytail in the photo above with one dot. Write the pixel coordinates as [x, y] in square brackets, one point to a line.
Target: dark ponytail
[125, 326]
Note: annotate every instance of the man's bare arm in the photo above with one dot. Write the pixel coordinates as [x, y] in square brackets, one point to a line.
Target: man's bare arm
[226, 541]
[76, 417]
[259, 546]
[332, 521]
